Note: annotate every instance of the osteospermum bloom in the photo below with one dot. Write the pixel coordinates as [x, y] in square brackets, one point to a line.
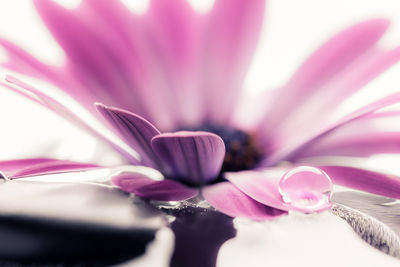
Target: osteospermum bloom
[170, 85]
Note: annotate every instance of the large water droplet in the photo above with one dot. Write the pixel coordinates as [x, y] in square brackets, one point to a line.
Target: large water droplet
[306, 189]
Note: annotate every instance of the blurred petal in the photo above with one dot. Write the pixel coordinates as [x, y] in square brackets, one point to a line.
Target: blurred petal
[194, 157]
[165, 190]
[228, 199]
[231, 37]
[84, 50]
[325, 101]
[139, 61]
[135, 130]
[261, 186]
[324, 65]
[46, 101]
[358, 74]
[376, 133]
[21, 61]
[66, 113]
[176, 39]
[39, 166]
[369, 181]
[357, 145]
[107, 69]
[118, 17]
[294, 148]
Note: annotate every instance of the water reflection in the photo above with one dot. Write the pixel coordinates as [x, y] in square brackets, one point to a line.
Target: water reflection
[199, 234]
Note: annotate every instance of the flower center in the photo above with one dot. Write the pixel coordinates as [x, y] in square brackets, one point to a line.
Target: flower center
[242, 152]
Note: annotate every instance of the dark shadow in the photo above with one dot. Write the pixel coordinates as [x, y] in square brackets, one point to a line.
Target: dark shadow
[199, 234]
[39, 241]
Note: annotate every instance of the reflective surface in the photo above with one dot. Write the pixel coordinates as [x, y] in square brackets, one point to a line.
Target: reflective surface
[72, 224]
[199, 234]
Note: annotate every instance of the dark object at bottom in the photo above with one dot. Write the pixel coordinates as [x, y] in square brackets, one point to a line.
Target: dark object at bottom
[199, 234]
[67, 224]
[25, 240]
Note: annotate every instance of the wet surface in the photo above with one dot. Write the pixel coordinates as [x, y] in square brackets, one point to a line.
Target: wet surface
[73, 224]
[199, 234]
[87, 224]
[26, 241]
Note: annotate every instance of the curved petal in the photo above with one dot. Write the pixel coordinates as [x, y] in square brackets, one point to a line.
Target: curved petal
[135, 130]
[194, 157]
[142, 186]
[261, 186]
[324, 102]
[293, 148]
[21, 61]
[13, 169]
[359, 146]
[228, 199]
[324, 65]
[369, 181]
[376, 133]
[231, 36]
[65, 112]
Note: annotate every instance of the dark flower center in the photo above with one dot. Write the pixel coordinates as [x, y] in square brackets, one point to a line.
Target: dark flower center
[242, 152]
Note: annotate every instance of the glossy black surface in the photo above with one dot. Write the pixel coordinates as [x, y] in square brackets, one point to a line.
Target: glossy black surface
[199, 234]
[73, 224]
[27, 241]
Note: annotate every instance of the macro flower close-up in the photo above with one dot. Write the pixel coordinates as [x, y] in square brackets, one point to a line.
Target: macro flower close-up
[164, 89]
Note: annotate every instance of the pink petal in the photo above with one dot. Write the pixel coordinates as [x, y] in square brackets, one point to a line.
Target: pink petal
[135, 130]
[294, 149]
[176, 39]
[327, 98]
[176, 36]
[363, 144]
[194, 157]
[373, 134]
[39, 166]
[231, 36]
[358, 74]
[324, 65]
[107, 69]
[227, 199]
[261, 186]
[63, 111]
[142, 186]
[369, 181]
[21, 61]
[142, 63]
[89, 62]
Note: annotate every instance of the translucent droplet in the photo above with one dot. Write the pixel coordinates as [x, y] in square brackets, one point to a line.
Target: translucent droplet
[306, 189]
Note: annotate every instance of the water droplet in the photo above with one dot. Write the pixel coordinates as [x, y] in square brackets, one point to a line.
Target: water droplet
[306, 189]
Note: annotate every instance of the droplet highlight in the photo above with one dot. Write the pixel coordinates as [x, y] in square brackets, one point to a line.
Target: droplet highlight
[306, 189]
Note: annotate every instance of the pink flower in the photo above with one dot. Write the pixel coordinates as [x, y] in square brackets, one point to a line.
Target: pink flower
[170, 85]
